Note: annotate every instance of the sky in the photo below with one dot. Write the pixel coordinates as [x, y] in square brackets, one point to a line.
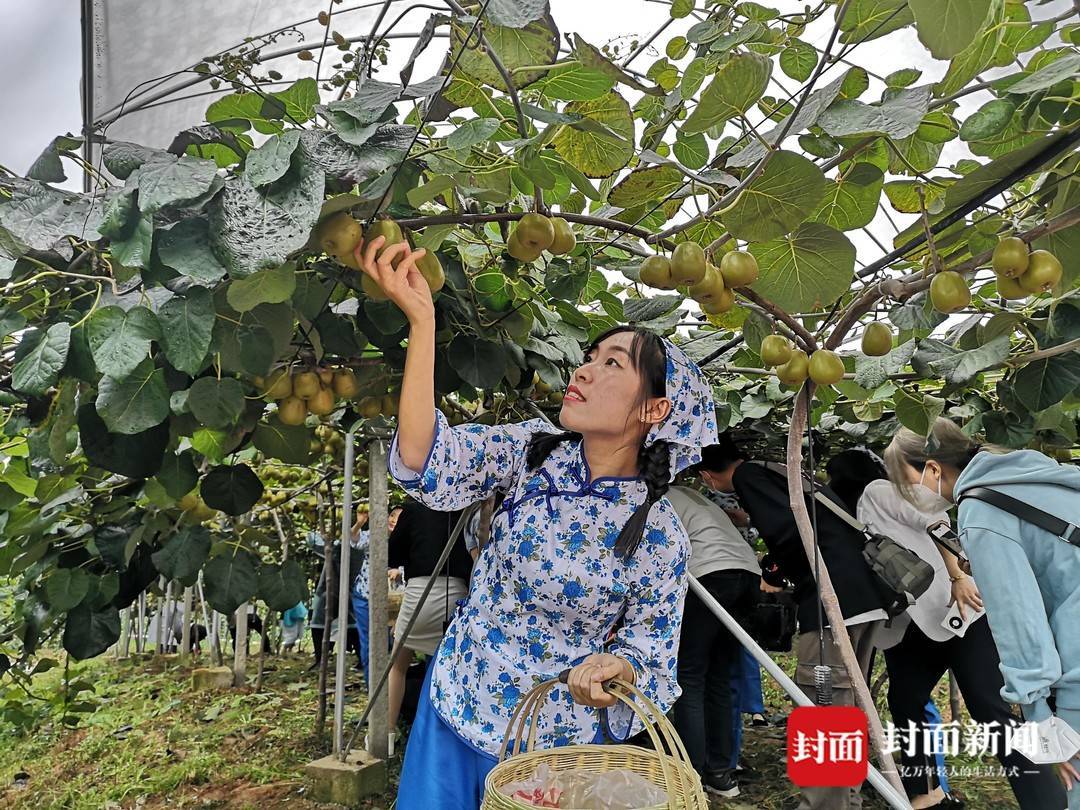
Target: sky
[40, 59]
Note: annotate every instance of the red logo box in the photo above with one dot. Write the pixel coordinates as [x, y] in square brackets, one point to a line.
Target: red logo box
[827, 746]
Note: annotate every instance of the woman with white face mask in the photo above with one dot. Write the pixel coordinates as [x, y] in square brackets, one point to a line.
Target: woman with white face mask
[1028, 578]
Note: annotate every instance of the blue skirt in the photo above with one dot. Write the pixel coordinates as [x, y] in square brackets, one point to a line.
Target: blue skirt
[441, 770]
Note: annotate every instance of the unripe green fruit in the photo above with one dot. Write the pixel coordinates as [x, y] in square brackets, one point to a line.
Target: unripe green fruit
[826, 367]
[775, 350]
[877, 340]
[949, 292]
[1010, 257]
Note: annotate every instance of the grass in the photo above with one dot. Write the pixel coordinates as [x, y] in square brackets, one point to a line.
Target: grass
[154, 743]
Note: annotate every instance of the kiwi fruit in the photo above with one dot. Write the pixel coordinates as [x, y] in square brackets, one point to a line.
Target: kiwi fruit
[535, 232]
[739, 269]
[278, 385]
[564, 240]
[345, 384]
[372, 289]
[949, 292]
[656, 272]
[1010, 257]
[795, 370]
[432, 270]
[338, 235]
[709, 287]
[322, 402]
[1043, 272]
[291, 411]
[687, 263]
[877, 339]
[775, 350]
[719, 305]
[306, 384]
[1009, 288]
[520, 251]
[826, 367]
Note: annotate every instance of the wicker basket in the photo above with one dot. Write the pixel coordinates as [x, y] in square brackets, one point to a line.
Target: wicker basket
[670, 772]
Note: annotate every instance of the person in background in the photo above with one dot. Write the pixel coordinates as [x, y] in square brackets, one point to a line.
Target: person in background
[1029, 578]
[727, 567]
[292, 626]
[317, 624]
[763, 493]
[416, 544]
[361, 587]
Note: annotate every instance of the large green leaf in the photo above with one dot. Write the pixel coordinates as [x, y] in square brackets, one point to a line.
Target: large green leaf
[252, 229]
[136, 402]
[230, 579]
[798, 59]
[918, 413]
[738, 84]
[178, 475]
[871, 372]
[869, 19]
[187, 324]
[170, 180]
[185, 247]
[851, 200]
[598, 154]
[282, 586]
[806, 270]
[646, 186]
[781, 198]
[896, 117]
[385, 148]
[90, 632]
[270, 161]
[216, 403]
[534, 44]
[119, 340]
[591, 57]
[989, 120]
[41, 218]
[576, 83]
[289, 443]
[66, 587]
[978, 55]
[39, 358]
[1044, 383]
[935, 358]
[136, 456]
[481, 363]
[639, 310]
[233, 489]
[1067, 66]
[183, 554]
[946, 27]
[272, 286]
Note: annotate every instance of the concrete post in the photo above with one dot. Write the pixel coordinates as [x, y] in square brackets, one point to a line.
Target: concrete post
[378, 596]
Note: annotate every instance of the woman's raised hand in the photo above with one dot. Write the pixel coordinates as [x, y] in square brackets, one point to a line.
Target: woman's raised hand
[404, 284]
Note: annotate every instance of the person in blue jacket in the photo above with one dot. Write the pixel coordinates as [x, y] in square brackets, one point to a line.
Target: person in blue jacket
[1029, 578]
[586, 566]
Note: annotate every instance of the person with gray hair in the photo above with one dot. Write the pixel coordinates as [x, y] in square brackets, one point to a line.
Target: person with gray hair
[1028, 575]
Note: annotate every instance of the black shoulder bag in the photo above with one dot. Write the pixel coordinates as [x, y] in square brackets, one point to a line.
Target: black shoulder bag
[1062, 529]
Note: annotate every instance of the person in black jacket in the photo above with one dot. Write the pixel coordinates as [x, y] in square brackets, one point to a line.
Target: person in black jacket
[763, 493]
[416, 545]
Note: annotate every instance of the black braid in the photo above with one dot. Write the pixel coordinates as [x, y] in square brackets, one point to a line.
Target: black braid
[654, 463]
[541, 445]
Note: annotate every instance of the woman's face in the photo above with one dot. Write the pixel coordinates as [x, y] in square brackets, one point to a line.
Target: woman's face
[391, 521]
[604, 395]
[935, 477]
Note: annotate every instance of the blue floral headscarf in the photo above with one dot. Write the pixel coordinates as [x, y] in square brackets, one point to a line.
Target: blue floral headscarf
[691, 425]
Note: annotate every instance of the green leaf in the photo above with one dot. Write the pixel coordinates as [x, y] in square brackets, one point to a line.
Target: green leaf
[185, 247]
[187, 324]
[66, 587]
[871, 372]
[692, 150]
[639, 310]
[88, 633]
[1043, 383]
[472, 132]
[781, 198]
[935, 358]
[234, 489]
[904, 196]
[183, 554]
[990, 119]
[211, 443]
[535, 44]
[480, 363]
[978, 55]
[216, 403]
[283, 586]
[987, 175]
[296, 102]
[252, 229]
[289, 443]
[1008, 429]
[905, 77]
[121, 158]
[134, 250]
[40, 357]
[272, 286]
[1064, 67]
[119, 340]
[597, 154]
[798, 60]
[136, 402]
[576, 83]
[918, 413]
[681, 8]
[178, 475]
[164, 182]
[593, 59]
[230, 580]
[738, 84]
[897, 117]
[851, 200]
[135, 456]
[869, 19]
[946, 27]
[806, 270]
[48, 168]
[645, 186]
[271, 161]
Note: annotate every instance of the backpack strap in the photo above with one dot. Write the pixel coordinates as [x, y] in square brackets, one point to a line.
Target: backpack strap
[1062, 529]
[819, 496]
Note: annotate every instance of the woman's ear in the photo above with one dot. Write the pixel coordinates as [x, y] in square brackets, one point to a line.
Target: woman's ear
[656, 411]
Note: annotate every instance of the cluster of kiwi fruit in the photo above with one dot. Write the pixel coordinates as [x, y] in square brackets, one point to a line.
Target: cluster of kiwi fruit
[327, 442]
[711, 286]
[339, 234]
[1021, 273]
[535, 233]
[542, 392]
[195, 509]
[792, 366]
[315, 390]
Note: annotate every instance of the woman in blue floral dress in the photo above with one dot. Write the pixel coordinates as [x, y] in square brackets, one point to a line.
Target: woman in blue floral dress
[586, 566]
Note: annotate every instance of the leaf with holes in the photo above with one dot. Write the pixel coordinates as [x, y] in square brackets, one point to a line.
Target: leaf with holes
[120, 340]
[598, 154]
[777, 201]
[187, 324]
[230, 579]
[40, 356]
[851, 200]
[183, 554]
[805, 270]
[282, 586]
[136, 402]
[233, 489]
[738, 84]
